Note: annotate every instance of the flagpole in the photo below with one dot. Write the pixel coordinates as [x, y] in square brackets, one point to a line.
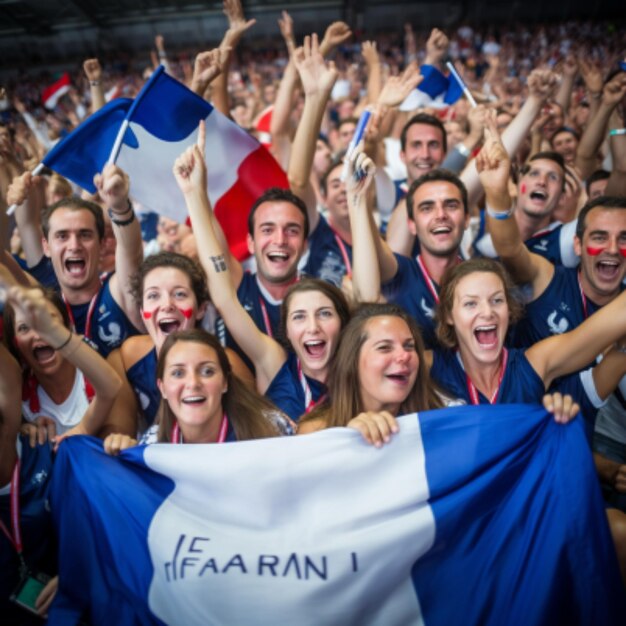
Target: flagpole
[465, 88]
[117, 146]
[35, 172]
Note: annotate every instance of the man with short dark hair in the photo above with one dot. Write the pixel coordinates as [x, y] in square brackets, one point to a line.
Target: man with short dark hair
[64, 252]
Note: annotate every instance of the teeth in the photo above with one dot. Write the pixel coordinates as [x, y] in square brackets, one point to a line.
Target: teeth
[280, 255]
[193, 399]
[443, 229]
[314, 343]
[486, 328]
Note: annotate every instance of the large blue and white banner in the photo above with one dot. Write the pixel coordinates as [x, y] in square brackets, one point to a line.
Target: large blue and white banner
[471, 515]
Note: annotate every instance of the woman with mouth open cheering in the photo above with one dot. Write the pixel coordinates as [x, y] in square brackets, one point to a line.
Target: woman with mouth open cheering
[170, 291]
[312, 316]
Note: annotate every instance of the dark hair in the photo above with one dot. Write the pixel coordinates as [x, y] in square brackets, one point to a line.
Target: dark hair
[74, 204]
[249, 413]
[276, 194]
[187, 266]
[344, 393]
[433, 177]
[8, 319]
[334, 163]
[564, 129]
[446, 333]
[429, 120]
[347, 120]
[606, 202]
[548, 155]
[595, 177]
[334, 294]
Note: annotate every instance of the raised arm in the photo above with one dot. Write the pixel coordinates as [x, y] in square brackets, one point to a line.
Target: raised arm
[237, 26]
[27, 193]
[336, 34]
[595, 133]
[207, 67]
[93, 71]
[617, 141]
[372, 261]
[563, 354]
[564, 92]
[317, 79]
[106, 383]
[493, 164]
[541, 84]
[113, 186]
[266, 354]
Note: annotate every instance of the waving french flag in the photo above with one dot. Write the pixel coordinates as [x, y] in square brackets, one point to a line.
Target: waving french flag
[155, 129]
[436, 90]
[471, 515]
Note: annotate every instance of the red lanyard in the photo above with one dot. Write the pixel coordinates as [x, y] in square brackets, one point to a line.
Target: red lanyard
[430, 283]
[309, 403]
[344, 252]
[177, 436]
[90, 311]
[16, 537]
[471, 388]
[266, 317]
[583, 297]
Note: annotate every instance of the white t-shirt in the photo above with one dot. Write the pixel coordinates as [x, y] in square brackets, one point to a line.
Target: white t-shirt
[65, 415]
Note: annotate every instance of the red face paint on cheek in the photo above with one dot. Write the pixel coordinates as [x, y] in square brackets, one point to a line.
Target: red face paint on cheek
[522, 188]
[622, 251]
[594, 251]
[146, 315]
[188, 313]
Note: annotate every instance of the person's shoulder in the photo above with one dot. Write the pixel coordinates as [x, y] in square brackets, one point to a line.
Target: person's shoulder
[135, 348]
[308, 426]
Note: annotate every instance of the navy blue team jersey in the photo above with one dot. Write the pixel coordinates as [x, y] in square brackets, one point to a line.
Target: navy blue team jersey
[38, 536]
[142, 378]
[326, 260]
[286, 391]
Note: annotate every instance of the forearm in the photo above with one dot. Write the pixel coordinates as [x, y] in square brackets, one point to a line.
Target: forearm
[374, 82]
[591, 141]
[366, 279]
[606, 468]
[281, 115]
[617, 181]
[399, 236]
[97, 95]
[608, 373]
[564, 93]
[27, 218]
[10, 412]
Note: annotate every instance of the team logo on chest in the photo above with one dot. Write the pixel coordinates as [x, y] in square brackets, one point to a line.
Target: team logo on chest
[557, 327]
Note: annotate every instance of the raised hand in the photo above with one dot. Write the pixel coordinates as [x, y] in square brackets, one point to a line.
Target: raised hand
[361, 170]
[592, 75]
[369, 52]
[570, 66]
[436, 47]
[190, 168]
[614, 90]
[113, 185]
[397, 88]
[493, 162]
[207, 67]
[37, 313]
[285, 23]
[92, 70]
[237, 23]
[335, 35]
[20, 187]
[542, 83]
[316, 75]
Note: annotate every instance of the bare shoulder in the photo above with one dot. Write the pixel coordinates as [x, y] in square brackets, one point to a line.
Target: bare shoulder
[307, 427]
[134, 349]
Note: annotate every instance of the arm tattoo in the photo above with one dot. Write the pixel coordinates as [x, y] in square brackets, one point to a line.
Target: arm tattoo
[219, 264]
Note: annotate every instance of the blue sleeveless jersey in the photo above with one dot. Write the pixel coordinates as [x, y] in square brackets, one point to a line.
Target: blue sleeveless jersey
[520, 382]
[286, 392]
[559, 309]
[409, 289]
[325, 260]
[142, 378]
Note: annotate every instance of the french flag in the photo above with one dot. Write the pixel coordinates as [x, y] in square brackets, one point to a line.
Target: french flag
[52, 94]
[158, 125]
[471, 515]
[436, 90]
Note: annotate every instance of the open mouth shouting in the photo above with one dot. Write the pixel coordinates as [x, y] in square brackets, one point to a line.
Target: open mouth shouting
[168, 325]
[539, 196]
[195, 400]
[608, 269]
[487, 336]
[43, 354]
[315, 348]
[75, 266]
[401, 377]
[278, 257]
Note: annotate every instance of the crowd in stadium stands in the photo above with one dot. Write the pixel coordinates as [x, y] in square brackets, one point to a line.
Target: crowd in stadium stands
[465, 252]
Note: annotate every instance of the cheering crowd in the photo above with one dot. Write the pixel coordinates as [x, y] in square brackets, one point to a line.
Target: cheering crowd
[472, 252]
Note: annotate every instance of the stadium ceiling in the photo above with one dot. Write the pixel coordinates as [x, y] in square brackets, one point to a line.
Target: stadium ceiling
[46, 17]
